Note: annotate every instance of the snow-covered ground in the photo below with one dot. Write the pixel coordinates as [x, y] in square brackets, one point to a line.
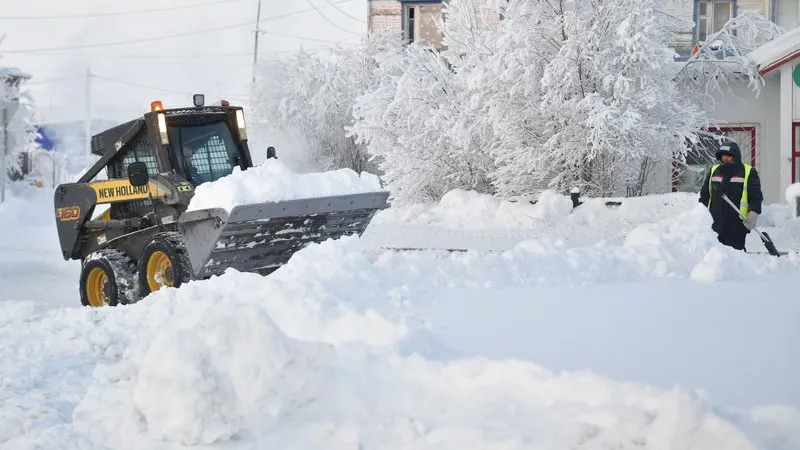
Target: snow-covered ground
[624, 327]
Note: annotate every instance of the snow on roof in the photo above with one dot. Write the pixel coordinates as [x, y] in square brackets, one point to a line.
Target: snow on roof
[777, 52]
[13, 72]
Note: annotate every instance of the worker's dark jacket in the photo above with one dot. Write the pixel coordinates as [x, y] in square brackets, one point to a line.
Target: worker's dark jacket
[729, 179]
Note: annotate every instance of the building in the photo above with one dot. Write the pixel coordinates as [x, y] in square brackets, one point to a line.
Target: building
[417, 19]
[706, 17]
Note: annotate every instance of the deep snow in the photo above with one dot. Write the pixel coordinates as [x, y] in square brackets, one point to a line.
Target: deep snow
[623, 327]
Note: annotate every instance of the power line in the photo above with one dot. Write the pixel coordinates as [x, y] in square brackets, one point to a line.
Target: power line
[327, 19]
[155, 88]
[308, 38]
[133, 41]
[178, 35]
[336, 7]
[161, 55]
[123, 55]
[119, 13]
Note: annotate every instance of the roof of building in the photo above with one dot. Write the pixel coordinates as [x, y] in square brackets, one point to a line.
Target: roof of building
[777, 52]
[13, 72]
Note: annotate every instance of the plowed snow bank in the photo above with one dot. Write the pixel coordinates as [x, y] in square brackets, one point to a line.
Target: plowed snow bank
[224, 372]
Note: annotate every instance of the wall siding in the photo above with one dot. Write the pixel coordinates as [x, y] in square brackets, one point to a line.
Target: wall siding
[385, 15]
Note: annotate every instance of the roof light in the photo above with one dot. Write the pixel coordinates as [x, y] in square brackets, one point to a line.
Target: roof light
[224, 103]
[199, 100]
[156, 106]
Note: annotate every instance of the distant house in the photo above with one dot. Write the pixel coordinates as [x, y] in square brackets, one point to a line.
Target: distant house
[417, 19]
[707, 17]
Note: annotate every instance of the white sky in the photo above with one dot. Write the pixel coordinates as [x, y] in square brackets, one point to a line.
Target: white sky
[223, 68]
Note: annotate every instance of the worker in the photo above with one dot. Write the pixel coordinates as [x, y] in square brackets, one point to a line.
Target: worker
[742, 185]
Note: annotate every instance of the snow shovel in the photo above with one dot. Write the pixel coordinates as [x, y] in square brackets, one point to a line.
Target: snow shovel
[770, 246]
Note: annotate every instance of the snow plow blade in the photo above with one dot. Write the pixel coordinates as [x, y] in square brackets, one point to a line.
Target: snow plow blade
[255, 237]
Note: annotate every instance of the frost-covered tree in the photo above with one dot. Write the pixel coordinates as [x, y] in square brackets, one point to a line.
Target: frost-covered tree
[589, 98]
[421, 126]
[501, 67]
[312, 96]
[20, 111]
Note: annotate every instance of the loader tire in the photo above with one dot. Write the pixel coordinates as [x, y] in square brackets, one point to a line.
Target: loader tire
[108, 278]
[163, 263]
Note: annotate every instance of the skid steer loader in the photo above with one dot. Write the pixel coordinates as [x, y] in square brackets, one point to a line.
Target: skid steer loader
[146, 239]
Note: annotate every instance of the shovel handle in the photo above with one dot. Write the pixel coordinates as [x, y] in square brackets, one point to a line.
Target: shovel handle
[725, 197]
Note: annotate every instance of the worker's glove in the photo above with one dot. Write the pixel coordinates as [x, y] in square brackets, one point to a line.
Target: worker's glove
[751, 220]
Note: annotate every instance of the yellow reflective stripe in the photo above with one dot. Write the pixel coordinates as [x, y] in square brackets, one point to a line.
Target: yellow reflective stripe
[744, 206]
[710, 176]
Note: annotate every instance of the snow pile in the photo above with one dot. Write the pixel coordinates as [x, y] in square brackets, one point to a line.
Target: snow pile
[218, 369]
[792, 196]
[459, 210]
[272, 181]
[792, 193]
[213, 369]
[671, 248]
[674, 244]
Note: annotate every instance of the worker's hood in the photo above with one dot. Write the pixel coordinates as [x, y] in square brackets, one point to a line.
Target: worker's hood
[729, 148]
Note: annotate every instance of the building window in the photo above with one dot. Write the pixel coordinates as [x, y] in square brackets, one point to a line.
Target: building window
[409, 16]
[712, 16]
[787, 13]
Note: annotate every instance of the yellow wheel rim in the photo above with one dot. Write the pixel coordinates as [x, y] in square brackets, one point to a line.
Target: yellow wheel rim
[96, 283]
[159, 271]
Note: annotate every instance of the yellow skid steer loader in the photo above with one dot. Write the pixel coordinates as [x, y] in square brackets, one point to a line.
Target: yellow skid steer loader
[147, 240]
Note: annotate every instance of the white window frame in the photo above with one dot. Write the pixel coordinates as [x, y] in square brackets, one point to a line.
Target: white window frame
[410, 24]
[709, 16]
[775, 5]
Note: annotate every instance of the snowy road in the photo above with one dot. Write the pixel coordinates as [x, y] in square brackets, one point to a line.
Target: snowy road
[449, 349]
[739, 348]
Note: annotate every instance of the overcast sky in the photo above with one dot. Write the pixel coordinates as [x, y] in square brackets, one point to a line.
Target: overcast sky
[220, 64]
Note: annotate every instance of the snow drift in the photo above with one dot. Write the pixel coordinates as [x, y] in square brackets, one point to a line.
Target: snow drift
[214, 364]
[182, 383]
[273, 181]
[467, 219]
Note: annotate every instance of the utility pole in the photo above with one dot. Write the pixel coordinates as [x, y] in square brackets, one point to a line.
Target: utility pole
[255, 47]
[88, 125]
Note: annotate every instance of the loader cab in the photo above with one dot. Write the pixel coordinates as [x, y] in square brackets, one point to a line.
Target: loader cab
[204, 143]
[203, 152]
[199, 144]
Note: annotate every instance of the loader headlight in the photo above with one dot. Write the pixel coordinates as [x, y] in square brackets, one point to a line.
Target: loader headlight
[241, 125]
[162, 129]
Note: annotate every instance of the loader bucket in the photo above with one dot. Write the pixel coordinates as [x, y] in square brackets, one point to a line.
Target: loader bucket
[262, 236]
